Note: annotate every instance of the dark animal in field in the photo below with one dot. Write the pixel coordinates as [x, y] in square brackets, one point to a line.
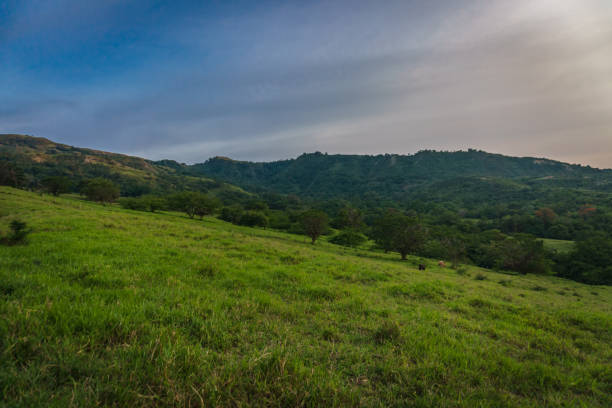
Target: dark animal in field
[441, 264]
[421, 267]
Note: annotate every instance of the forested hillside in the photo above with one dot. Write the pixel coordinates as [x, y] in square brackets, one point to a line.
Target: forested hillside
[394, 176]
[521, 214]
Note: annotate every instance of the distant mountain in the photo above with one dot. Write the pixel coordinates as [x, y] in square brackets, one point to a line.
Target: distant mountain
[393, 176]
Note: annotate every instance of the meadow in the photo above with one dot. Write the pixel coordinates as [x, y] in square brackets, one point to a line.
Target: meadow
[111, 307]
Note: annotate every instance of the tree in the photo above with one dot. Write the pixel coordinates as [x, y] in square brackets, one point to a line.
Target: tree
[380, 231]
[231, 213]
[521, 253]
[589, 261]
[407, 235]
[349, 218]
[100, 189]
[315, 223]
[56, 185]
[193, 203]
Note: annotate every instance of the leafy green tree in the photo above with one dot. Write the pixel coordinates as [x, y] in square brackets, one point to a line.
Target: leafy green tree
[56, 185]
[348, 218]
[522, 253]
[380, 230]
[193, 203]
[314, 223]
[231, 213]
[407, 235]
[589, 262]
[101, 190]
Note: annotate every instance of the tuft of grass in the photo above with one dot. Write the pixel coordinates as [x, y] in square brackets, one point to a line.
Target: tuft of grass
[480, 276]
[462, 271]
[387, 332]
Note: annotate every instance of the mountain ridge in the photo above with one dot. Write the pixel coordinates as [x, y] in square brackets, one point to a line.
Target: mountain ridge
[317, 175]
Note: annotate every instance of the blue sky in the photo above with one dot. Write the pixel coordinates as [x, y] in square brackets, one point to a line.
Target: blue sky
[265, 80]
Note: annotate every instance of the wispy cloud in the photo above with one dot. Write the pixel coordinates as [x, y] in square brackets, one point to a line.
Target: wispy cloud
[271, 80]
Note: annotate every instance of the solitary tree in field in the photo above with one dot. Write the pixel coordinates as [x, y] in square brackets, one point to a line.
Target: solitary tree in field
[407, 235]
[315, 223]
[395, 231]
[56, 185]
[100, 189]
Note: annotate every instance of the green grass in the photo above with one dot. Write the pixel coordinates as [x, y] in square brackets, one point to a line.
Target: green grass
[558, 245]
[110, 307]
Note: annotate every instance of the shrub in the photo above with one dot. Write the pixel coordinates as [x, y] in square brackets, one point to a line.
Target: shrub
[348, 238]
[254, 219]
[100, 189]
[18, 234]
[387, 332]
[231, 214]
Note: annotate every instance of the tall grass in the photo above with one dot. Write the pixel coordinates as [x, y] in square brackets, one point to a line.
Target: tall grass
[111, 307]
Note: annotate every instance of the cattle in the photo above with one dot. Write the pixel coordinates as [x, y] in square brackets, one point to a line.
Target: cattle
[441, 264]
[421, 267]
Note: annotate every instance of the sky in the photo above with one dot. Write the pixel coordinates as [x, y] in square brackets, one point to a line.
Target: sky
[266, 80]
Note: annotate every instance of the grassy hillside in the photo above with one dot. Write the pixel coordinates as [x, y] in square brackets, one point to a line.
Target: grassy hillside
[106, 306]
[39, 158]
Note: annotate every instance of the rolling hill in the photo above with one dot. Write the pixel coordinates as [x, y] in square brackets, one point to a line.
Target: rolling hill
[112, 307]
[39, 158]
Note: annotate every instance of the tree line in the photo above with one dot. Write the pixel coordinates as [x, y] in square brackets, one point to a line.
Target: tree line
[497, 243]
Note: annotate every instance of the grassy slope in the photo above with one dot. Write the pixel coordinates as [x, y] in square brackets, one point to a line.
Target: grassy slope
[107, 306]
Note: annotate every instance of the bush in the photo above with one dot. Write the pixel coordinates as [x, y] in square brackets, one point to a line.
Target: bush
[56, 185]
[348, 238]
[254, 219]
[231, 214]
[132, 203]
[101, 190]
[19, 232]
[387, 332]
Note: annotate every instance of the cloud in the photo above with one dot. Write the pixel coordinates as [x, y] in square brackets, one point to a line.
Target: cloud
[273, 81]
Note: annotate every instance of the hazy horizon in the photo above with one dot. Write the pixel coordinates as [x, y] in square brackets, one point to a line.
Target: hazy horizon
[265, 81]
